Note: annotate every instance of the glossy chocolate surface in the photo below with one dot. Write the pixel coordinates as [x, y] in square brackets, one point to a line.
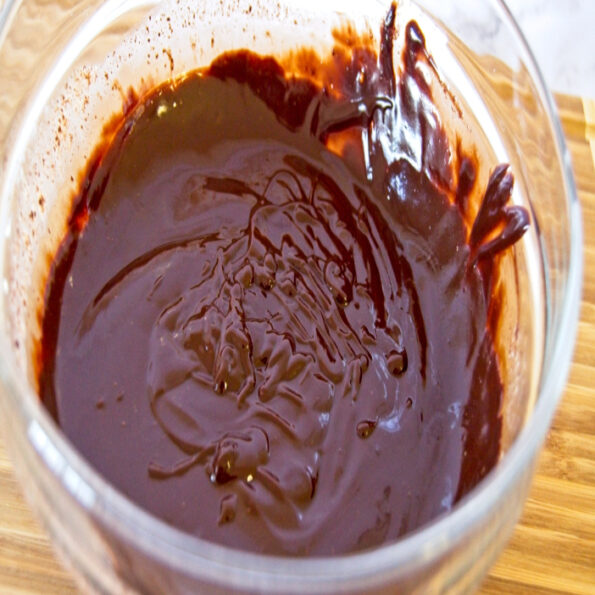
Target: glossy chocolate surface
[268, 322]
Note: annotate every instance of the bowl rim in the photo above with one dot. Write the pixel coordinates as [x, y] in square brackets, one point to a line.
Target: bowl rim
[236, 568]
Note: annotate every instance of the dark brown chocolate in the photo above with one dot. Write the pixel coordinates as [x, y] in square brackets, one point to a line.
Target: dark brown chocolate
[268, 343]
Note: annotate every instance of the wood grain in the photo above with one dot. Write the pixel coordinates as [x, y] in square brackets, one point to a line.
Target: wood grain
[553, 547]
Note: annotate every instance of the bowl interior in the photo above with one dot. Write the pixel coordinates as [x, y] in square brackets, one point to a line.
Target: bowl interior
[132, 45]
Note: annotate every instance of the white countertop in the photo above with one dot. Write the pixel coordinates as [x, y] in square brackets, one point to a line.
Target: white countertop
[561, 34]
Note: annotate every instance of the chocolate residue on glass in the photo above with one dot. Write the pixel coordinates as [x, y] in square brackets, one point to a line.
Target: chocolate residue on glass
[268, 321]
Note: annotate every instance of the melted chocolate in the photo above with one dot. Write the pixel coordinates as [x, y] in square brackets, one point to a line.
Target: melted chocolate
[268, 343]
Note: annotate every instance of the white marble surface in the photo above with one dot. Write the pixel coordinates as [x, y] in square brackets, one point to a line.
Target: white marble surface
[561, 34]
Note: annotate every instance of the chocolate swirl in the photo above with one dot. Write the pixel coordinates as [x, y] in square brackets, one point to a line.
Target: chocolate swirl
[279, 310]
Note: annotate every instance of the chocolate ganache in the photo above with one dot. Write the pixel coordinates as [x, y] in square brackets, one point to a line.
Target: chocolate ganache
[268, 322]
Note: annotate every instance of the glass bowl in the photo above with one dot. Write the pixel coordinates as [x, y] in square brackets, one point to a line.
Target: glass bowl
[49, 55]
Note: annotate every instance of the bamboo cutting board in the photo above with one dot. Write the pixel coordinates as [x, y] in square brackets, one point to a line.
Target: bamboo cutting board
[553, 547]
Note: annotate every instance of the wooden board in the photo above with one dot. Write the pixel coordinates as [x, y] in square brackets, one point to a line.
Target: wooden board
[553, 547]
